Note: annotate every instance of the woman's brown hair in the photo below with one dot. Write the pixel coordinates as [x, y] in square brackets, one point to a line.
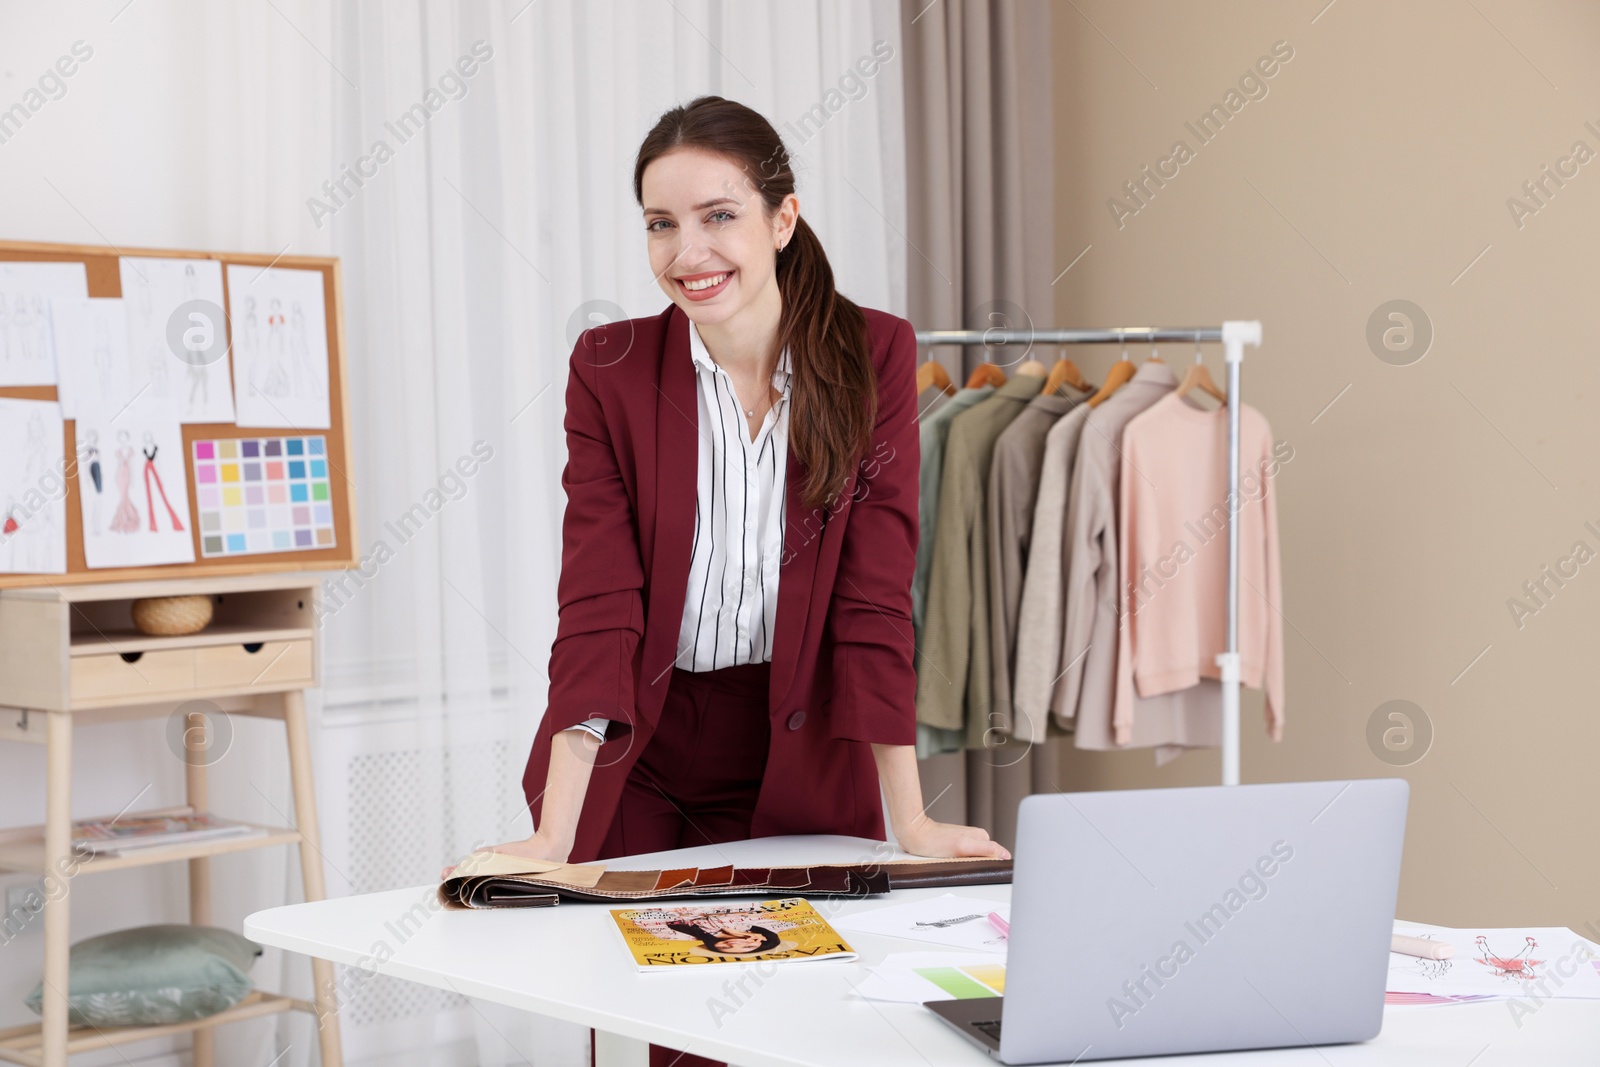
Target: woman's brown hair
[826, 333]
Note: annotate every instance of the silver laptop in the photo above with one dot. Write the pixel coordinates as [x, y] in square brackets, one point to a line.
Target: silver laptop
[1157, 921]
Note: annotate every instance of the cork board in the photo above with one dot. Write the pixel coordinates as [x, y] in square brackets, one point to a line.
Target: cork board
[101, 265]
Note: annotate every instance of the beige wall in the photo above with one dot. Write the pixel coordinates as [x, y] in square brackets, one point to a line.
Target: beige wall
[1378, 167]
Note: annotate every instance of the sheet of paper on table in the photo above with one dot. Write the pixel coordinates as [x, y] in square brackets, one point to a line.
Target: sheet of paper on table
[915, 977]
[951, 920]
[1499, 961]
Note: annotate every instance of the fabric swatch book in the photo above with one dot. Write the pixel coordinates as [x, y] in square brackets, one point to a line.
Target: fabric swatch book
[773, 931]
[488, 879]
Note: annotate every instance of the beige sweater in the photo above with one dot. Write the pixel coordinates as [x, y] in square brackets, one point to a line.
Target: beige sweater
[1014, 482]
[1041, 616]
[1172, 547]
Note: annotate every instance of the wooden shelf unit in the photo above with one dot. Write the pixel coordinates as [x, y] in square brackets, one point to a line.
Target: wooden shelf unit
[22, 848]
[69, 656]
[22, 1044]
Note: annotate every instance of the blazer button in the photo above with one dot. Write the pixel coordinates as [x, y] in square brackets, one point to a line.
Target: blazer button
[797, 720]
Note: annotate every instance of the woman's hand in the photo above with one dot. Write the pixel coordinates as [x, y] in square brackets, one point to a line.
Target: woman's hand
[537, 847]
[916, 833]
[572, 754]
[925, 837]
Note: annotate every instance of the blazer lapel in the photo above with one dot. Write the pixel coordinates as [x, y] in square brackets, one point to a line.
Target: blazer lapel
[677, 459]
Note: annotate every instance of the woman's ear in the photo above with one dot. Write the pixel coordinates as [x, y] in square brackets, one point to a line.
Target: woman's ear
[784, 221]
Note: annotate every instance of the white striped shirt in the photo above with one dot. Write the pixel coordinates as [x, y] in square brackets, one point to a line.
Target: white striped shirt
[731, 604]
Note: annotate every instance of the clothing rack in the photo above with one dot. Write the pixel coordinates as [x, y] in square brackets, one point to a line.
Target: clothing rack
[1233, 337]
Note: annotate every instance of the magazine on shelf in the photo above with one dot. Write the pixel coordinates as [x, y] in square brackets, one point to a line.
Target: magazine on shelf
[131, 833]
[773, 931]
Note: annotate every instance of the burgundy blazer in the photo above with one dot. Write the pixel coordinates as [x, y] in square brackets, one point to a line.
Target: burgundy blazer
[842, 673]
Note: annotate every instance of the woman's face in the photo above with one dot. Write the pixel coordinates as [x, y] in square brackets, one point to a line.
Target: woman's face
[705, 222]
[735, 943]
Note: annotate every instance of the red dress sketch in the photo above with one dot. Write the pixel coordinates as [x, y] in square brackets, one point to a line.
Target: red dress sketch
[150, 450]
[126, 517]
[1522, 967]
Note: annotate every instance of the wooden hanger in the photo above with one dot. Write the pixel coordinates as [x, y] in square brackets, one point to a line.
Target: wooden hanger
[1200, 378]
[1119, 373]
[986, 374]
[1033, 367]
[932, 373]
[1066, 372]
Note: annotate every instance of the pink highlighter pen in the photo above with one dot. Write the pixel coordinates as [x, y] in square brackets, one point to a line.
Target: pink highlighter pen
[1000, 924]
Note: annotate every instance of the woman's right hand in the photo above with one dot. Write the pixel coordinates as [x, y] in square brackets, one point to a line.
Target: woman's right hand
[537, 847]
[572, 754]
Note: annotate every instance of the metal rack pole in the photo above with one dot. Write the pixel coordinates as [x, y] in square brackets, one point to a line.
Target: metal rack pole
[1114, 335]
[1233, 336]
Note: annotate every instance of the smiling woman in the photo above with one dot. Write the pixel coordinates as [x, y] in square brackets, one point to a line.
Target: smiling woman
[721, 669]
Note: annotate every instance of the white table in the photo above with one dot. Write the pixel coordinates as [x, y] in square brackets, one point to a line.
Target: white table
[567, 962]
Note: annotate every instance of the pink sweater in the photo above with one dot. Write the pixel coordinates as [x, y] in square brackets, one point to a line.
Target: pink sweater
[1172, 542]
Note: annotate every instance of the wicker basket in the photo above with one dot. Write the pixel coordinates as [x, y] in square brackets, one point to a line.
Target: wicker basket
[170, 616]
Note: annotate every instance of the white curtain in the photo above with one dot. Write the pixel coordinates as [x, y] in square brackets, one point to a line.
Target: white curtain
[495, 219]
[473, 256]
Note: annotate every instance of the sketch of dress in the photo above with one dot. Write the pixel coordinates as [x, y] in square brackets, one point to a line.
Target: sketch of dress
[307, 382]
[102, 348]
[277, 383]
[33, 467]
[91, 453]
[249, 343]
[199, 378]
[33, 461]
[154, 355]
[150, 450]
[126, 518]
[12, 534]
[22, 321]
[5, 330]
[41, 329]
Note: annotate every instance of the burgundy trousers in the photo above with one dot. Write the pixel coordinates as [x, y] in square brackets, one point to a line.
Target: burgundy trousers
[696, 781]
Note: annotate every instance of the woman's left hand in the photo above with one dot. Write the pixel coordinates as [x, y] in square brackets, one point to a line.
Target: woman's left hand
[944, 840]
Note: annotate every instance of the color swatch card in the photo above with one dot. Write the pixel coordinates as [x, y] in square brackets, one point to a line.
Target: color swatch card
[263, 494]
[915, 977]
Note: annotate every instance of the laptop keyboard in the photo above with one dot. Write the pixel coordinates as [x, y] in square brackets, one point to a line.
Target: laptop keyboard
[990, 1027]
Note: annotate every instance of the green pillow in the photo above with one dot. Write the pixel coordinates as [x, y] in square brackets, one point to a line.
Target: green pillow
[155, 975]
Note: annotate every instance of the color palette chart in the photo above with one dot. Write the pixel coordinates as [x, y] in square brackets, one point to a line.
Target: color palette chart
[262, 494]
[969, 981]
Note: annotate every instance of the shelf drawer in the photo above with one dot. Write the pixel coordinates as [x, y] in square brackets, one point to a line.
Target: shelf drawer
[150, 673]
[273, 664]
